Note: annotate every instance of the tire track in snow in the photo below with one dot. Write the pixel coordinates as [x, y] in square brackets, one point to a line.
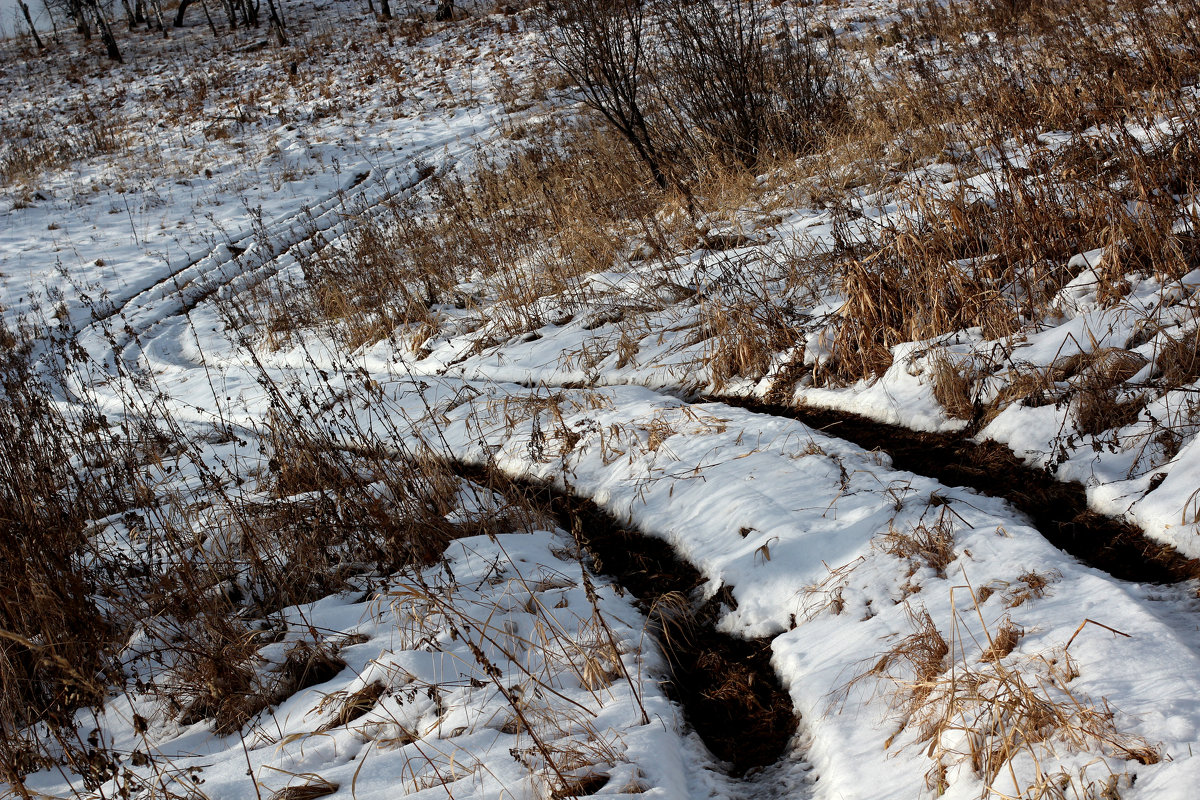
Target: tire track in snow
[231, 264]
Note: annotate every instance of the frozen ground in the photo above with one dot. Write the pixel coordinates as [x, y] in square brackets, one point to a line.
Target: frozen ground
[1052, 679]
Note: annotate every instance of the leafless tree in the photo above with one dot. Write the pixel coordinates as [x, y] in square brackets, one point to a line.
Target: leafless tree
[599, 45]
[104, 29]
[32, 28]
[741, 83]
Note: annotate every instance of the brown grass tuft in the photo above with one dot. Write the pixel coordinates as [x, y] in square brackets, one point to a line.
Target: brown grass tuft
[952, 386]
[989, 711]
[354, 705]
[1100, 400]
[306, 791]
[1029, 585]
[1178, 360]
[1003, 641]
[929, 543]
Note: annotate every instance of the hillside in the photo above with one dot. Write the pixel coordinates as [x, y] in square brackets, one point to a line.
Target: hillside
[685, 399]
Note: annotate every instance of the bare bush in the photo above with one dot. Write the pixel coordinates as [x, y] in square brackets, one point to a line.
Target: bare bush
[599, 44]
[744, 96]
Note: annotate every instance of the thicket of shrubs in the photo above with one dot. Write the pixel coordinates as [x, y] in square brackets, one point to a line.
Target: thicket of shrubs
[687, 81]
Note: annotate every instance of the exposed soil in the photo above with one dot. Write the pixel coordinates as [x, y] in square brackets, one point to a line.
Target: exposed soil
[728, 690]
[1058, 509]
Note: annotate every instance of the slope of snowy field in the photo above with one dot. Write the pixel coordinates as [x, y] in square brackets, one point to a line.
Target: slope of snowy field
[157, 224]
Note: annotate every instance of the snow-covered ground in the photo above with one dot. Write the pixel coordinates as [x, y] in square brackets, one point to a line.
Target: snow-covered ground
[931, 639]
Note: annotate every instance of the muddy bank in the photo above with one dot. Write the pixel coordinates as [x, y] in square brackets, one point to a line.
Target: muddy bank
[1058, 509]
[726, 686]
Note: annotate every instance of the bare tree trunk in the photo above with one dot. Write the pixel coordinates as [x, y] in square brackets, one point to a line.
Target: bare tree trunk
[32, 29]
[386, 8]
[162, 21]
[106, 34]
[53, 22]
[80, 16]
[276, 23]
[211, 25]
[183, 5]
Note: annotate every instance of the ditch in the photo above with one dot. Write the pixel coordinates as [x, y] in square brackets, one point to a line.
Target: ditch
[1057, 508]
[726, 686]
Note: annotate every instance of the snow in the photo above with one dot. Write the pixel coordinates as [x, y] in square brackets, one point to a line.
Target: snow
[137, 257]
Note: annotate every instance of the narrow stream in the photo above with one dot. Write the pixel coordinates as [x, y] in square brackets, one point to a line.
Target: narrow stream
[1058, 509]
[725, 684]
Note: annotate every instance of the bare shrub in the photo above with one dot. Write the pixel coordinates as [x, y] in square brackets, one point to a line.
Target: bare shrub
[599, 44]
[745, 98]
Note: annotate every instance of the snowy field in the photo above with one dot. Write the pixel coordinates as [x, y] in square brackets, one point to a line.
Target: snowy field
[163, 232]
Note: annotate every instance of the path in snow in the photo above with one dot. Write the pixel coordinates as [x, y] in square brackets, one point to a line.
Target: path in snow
[246, 261]
[163, 316]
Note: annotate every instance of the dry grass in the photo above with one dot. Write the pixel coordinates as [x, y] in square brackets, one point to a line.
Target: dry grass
[931, 544]
[54, 639]
[216, 677]
[1029, 585]
[994, 259]
[952, 263]
[317, 787]
[993, 711]
[558, 202]
[953, 386]
[354, 705]
[36, 145]
[1177, 362]
[533, 218]
[923, 655]
[1002, 641]
[324, 512]
[1101, 402]
[742, 337]
[543, 216]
